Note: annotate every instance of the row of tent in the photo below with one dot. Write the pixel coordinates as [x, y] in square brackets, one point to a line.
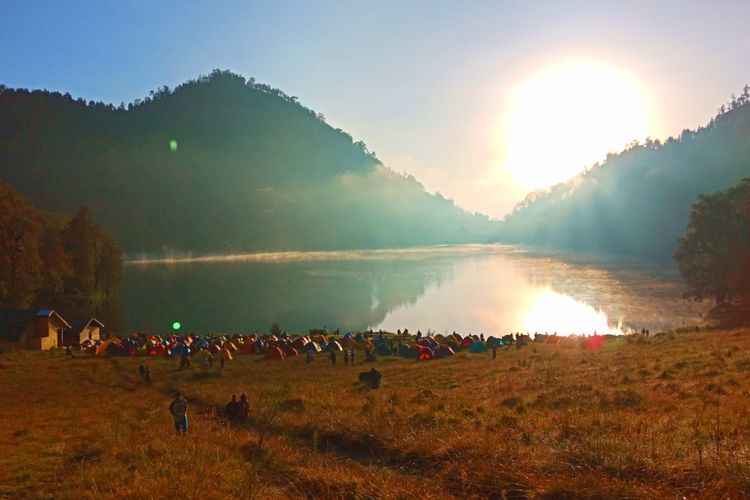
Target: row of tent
[283, 346]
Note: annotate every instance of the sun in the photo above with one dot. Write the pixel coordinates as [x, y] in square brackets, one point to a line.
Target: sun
[569, 116]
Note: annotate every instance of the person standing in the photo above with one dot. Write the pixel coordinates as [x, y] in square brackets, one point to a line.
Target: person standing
[178, 409]
[244, 409]
[232, 409]
[333, 357]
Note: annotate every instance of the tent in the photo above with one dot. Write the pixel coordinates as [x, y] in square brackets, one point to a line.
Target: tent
[426, 353]
[226, 354]
[247, 348]
[313, 346]
[478, 346]
[467, 342]
[382, 349]
[275, 353]
[453, 344]
[334, 346]
[444, 351]
[300, 342]
[407, 352]
[290, 351]
[202, 354]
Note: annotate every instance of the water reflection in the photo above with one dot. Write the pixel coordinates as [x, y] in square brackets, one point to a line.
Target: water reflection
[553, 312]
[477, 288]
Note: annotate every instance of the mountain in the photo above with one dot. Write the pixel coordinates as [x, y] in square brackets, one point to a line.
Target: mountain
[638, 202]
[218, 164]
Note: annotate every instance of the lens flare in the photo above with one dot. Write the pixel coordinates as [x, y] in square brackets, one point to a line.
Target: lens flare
[176, 325]
[173, 145]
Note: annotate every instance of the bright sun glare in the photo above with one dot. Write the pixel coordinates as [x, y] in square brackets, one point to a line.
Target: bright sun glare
[570, 116]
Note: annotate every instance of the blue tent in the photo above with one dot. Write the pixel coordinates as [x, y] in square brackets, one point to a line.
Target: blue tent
[382, 349]
[478, 346]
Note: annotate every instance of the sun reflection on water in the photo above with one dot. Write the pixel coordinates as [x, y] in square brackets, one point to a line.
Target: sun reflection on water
[553, 312]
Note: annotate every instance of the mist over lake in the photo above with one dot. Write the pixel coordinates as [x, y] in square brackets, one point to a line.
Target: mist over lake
[494, 289]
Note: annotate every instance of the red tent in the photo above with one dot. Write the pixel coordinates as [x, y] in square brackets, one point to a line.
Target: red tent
[300, 342]
[247, 348]
[290, 351]
[275, 353]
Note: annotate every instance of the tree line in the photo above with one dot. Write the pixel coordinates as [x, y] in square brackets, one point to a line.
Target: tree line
[73, 264]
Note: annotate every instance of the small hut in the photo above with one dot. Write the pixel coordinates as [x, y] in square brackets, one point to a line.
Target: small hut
[36, 329]
[82, 329]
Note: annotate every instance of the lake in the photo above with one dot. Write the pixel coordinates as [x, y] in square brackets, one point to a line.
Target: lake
[490, 289]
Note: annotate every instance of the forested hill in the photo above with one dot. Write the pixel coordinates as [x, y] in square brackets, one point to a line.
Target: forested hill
[638, 201]
[217, 164]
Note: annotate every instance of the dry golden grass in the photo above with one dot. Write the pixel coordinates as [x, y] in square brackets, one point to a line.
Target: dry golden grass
[658, 417]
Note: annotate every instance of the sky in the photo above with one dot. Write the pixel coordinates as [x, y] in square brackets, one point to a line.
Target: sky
[431, 87]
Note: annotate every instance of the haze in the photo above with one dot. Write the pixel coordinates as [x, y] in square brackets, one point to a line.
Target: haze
[429, 89]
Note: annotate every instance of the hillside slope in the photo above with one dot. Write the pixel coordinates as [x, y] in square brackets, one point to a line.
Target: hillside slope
[218, 164]
[638, 201]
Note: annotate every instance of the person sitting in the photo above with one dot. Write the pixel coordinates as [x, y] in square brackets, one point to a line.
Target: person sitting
[371, 379]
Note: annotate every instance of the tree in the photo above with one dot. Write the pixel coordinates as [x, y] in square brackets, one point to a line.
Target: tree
[96, 268]
[20, 265]
[80, 238]
[55, 266]
[109, 266]
[714, 256]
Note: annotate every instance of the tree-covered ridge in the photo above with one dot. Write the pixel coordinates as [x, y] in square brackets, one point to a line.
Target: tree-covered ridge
[49, 261]
[638, 201]
[218, 164]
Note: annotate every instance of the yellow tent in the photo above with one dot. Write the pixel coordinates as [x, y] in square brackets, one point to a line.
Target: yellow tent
[202, 354]
[101, 349]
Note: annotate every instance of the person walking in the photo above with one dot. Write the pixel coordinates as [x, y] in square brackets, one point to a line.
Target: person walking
[178, 409]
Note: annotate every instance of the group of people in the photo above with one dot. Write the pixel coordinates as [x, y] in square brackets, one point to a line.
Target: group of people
[234, 412]
[348, 357]
[237, 411]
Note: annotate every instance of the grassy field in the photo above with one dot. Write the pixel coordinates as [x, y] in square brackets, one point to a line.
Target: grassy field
[659, 417]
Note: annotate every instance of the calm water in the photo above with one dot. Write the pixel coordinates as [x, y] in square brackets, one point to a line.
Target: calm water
[493, 289]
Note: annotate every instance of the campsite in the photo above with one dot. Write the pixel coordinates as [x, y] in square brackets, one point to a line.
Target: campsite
[629, 416]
